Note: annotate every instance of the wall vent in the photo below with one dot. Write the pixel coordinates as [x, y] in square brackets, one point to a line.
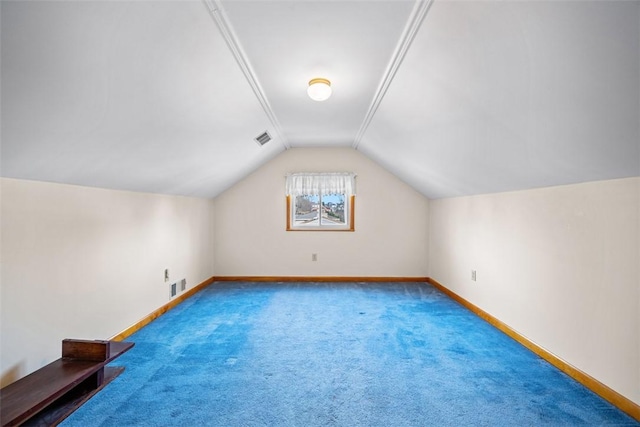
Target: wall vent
[173, 289]
[263, 138]
[183, 284]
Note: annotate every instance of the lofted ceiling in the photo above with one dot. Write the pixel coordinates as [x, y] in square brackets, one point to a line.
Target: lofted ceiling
[453, 97]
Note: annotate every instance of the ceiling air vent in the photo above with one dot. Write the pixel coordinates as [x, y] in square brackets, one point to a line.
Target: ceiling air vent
[263, 138]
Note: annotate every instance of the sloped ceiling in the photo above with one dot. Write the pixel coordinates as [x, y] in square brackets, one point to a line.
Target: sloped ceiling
[454, 97]
[497, 96]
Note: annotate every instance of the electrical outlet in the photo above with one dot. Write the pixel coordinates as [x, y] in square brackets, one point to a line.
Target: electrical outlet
[314, 257]
[473, 275]
[183, 284]
[166, 274]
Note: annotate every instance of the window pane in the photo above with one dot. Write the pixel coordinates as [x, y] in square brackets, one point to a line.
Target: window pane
[305, 210]
[333, 209]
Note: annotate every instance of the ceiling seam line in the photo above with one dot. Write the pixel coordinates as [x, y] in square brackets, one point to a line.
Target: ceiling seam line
[414, 22]
[217, 13]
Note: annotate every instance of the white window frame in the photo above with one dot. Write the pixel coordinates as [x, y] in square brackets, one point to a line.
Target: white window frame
[319, 184]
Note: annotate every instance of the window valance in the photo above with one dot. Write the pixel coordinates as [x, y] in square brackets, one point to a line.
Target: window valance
[321, 183]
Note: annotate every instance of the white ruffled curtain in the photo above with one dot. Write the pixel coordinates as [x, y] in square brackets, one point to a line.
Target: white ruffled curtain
[321, 183]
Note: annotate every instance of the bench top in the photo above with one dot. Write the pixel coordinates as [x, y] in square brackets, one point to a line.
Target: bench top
[29, 395]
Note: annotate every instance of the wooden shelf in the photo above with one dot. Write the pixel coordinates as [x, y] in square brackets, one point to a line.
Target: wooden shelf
[59, 387]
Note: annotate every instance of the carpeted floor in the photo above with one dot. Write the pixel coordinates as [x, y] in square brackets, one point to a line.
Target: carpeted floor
[335, 354]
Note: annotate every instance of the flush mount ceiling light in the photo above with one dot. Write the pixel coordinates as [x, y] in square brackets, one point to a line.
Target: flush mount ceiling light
[319, 89]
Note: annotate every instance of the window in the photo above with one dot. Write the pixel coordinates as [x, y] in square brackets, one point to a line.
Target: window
[320, 201]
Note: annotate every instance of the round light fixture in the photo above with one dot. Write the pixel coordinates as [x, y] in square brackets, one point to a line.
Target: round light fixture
[319, 89]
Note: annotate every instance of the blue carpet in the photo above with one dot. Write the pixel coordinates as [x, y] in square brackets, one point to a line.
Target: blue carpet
[327, 354]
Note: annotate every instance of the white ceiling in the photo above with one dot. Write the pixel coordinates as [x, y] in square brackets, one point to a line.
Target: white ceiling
[454, 97]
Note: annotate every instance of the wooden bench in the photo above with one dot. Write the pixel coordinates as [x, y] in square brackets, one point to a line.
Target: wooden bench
[50, 394]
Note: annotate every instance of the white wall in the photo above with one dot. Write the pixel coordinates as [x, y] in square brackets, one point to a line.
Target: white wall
[559, 265]
[390, 237]
[87, 263]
